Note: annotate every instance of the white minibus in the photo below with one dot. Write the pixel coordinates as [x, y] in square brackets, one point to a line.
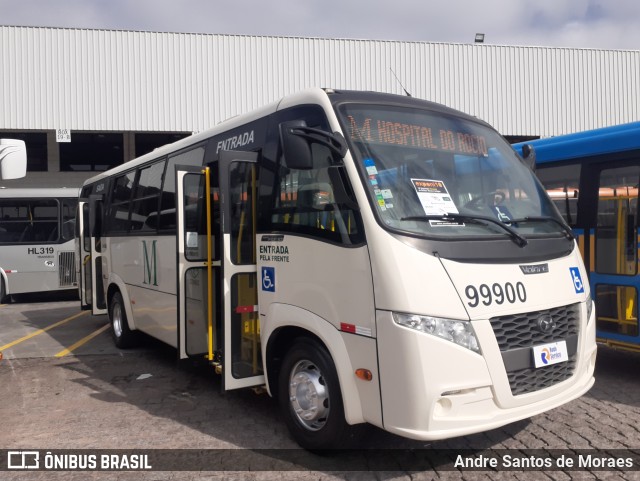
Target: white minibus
[366, 257]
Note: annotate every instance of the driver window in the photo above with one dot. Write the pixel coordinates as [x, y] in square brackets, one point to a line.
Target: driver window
[305, 200]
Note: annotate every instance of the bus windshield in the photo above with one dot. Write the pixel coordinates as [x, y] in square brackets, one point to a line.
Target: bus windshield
[439, 175]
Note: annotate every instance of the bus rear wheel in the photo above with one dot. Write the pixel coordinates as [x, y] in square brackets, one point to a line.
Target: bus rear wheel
[123, 337]
[311, 400]
[2, 291]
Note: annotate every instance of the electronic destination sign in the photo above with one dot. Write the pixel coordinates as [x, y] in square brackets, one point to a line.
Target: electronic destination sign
[418, 131]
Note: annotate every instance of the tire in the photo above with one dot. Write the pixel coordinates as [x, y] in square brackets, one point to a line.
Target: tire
[310, 398]
[123, 337]
[3, 291]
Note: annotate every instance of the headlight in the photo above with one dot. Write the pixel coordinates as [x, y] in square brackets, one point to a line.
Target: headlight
[589, 303]
[459, 332]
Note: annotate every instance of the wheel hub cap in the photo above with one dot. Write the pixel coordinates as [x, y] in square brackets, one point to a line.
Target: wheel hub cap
[308, 395]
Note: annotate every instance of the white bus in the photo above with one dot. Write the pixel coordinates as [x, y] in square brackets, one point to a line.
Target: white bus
[37, 232]
[368, 258]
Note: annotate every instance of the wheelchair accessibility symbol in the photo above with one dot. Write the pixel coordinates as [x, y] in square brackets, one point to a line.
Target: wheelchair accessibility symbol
[269, 279]
[577, 280]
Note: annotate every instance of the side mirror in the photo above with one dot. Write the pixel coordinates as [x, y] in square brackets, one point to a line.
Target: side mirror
[13, 159]
[296, 149]
[297, 138]
[529, 156]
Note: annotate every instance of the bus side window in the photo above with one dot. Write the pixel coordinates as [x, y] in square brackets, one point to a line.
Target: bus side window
[144, 213]
[616, 229]
[68, 219]
[120, 202]
[306, 202]
[562, 184]
[193, 157]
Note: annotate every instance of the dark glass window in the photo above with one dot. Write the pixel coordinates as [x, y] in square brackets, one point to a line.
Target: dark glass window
[304, 200]
[563, 186]
[193, 157]
[616, 233]
[68, 219]
[27, 221]
[120, 202]
[195, 217]
[144, 214]
[243, 186]
[91, 152]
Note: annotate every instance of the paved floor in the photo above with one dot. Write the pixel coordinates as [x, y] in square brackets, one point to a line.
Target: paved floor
[68, 387]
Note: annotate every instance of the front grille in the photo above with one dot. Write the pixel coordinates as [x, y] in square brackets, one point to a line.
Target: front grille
[66, 269]
[518, 331]
[532, 379]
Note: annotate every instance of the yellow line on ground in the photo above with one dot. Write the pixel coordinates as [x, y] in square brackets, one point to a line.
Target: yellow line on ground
[82, 341]
[40, 331]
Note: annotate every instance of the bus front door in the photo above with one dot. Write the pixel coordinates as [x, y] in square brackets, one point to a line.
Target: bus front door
[198, 265]
[89, 256]
[242, 358]
[217, 273]
[614, 274]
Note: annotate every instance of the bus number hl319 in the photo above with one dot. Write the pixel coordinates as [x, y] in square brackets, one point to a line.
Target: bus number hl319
[35, 251]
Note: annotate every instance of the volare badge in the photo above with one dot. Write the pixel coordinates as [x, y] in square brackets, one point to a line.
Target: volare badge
[534, 269]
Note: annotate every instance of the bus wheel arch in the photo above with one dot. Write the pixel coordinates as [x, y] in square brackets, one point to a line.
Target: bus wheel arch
[3, 288]
[279, 343]
[122, 335]
[310, 397]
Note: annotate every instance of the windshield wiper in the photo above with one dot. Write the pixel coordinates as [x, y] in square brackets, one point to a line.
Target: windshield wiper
[473, 219]
[565, 228]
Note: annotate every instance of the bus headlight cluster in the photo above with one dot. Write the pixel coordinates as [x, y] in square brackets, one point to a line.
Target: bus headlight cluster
[459, 332]
[589, 307]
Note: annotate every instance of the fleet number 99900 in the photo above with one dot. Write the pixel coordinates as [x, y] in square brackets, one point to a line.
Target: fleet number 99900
[496, 293]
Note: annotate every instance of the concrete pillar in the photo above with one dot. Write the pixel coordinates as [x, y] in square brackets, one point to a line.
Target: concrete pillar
[129, 144]
[53, 152]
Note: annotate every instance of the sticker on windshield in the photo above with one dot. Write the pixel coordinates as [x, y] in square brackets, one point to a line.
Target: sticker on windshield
[502, 213]
[434, 197]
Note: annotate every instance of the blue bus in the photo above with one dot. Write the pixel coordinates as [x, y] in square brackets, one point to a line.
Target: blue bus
[593, 178]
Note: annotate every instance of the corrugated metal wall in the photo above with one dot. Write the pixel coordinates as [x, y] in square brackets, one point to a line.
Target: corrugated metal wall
[148, 81]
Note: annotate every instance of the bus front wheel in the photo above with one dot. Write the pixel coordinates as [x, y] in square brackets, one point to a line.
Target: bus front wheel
[123, 337]
[310, 398]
